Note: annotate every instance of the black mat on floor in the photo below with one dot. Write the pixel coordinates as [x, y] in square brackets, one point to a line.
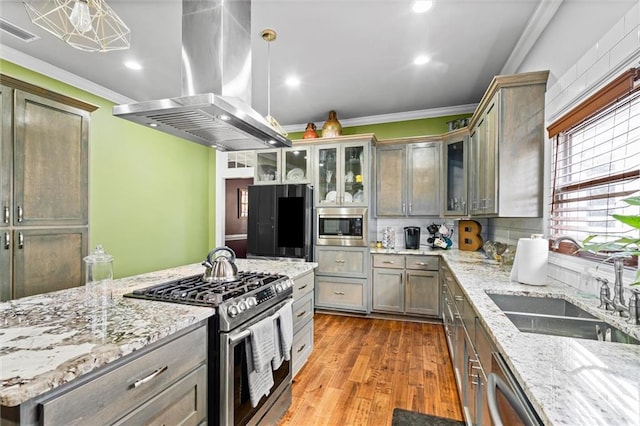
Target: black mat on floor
[413, 418]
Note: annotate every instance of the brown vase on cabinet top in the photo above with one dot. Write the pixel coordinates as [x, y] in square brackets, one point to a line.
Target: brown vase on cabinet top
[332, 126]
[310, 132]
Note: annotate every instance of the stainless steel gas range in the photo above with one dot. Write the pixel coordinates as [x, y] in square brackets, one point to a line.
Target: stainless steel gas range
[238, 305]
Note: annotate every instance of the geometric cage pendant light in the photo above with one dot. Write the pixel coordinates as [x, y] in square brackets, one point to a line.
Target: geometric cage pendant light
[89, 25]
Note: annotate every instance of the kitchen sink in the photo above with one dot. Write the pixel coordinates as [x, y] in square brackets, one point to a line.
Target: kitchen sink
[539, 305]
[557, 317]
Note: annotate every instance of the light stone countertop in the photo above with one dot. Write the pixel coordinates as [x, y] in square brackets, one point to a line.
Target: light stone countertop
[50, 339]
[568, 381]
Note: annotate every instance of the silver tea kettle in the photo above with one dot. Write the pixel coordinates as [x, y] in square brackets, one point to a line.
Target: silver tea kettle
[220, 268]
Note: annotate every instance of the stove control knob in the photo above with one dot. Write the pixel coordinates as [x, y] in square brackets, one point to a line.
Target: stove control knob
[279, 287]
[252, 301]
[233, 310]
[243, 305]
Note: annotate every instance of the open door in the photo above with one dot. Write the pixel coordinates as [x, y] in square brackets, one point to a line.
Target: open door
[236, 214]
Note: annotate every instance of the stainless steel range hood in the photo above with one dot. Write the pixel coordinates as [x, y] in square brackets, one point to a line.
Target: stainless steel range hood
[216, 83]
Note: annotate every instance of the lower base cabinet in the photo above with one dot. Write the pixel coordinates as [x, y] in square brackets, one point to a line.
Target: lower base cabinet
[406, 284]
[165, 383]
[342, 278]
[303, 308]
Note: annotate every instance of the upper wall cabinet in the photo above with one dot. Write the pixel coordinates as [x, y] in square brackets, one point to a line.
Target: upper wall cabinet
[408, 178]
[506, 148]
[43, 190]
[283, 165]
[455, 151]
[342, 171]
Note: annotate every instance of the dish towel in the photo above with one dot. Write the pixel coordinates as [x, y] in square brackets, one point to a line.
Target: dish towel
[285, 320]
[259, 352]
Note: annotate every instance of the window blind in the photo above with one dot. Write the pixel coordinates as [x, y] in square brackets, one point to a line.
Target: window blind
[596, 164]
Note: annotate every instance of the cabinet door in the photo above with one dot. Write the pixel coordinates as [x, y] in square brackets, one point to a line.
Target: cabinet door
[50, 160]
[490, 164]
[355, 174]
[6, 250]
[455, 177]
[6, 155]
[48, 259]
[390, 179]
[475, 168]
[267, 169]
[325, 174]
[422, 293]
[424, 179]
[296, 165]
[388, 290]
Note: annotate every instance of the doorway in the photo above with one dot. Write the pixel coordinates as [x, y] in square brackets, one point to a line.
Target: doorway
[236, 212]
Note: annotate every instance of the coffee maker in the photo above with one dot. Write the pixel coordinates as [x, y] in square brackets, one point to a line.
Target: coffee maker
[412, 237]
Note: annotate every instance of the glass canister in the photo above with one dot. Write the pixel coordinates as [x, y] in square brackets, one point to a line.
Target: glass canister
[389, 238]
[99, 274]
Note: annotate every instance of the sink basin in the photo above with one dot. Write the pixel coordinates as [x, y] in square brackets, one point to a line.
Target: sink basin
[557, 317]
[539, 305]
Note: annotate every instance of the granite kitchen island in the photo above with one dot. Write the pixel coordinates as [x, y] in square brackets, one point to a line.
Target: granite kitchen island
[53, 340]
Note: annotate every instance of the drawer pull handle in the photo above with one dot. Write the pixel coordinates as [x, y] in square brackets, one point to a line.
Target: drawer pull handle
[5, 218]
[421, 263]
[339, 261]
[303, 287]
[301, 348]
[388, 261]
[458, 298]
[301, 314]
[20, 214]
[150, 377]
[339, 293]
[20, 240]
[7, 241]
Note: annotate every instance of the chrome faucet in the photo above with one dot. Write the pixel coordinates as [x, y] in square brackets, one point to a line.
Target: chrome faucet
[616, 303]
[558, 240]
[634, 306]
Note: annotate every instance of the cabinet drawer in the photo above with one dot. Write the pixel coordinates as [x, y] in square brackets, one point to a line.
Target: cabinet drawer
[339, 261]
[183, 403]
[388, 261]
[340, 293]
[302, 347]
[121, 389]
[302, 311]
[303, 285]
[424, 263]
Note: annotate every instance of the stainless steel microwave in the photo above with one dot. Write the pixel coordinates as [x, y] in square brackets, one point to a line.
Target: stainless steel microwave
[341, 226]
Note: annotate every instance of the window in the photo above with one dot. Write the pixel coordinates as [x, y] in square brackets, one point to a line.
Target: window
[596, 164]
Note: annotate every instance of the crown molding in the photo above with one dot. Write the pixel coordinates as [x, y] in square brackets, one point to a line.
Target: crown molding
[45, 68]
[541, 17]
[393, 117]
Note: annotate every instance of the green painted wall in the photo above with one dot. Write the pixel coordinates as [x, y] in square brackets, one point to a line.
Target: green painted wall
[398, 129]
[150, 194]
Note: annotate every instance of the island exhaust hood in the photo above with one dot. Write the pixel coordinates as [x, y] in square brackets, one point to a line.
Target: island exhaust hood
[214, 109]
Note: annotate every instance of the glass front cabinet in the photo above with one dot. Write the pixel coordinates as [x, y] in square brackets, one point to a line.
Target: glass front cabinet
[455, 173]
[283, 166]
[342, 174]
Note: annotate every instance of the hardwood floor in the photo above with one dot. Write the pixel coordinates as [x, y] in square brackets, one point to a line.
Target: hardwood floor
[361, 369]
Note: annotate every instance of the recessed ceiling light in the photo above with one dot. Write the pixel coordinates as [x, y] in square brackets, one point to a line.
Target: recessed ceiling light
[422, 6]
[133, 65]
[293, 81]
[421, 60]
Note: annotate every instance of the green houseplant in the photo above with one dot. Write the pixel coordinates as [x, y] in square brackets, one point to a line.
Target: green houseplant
[620, 247]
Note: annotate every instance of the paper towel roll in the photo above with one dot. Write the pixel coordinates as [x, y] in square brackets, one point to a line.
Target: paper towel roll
[530, 263]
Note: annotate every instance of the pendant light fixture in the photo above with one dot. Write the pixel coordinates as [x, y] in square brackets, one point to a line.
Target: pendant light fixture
[89, 25]
[270, 35]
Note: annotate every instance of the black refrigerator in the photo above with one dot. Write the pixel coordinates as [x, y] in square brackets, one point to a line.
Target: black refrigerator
[280, 222]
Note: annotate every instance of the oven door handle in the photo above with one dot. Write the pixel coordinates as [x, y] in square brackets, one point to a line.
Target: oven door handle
[236, 338]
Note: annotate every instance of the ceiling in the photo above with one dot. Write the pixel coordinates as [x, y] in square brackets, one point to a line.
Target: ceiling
[352, 56]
